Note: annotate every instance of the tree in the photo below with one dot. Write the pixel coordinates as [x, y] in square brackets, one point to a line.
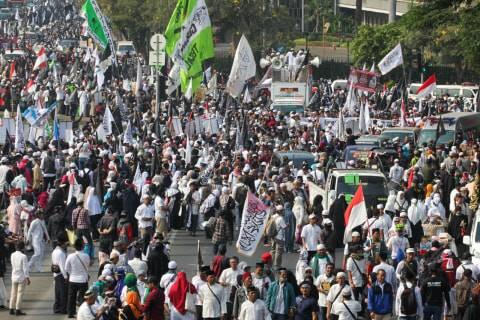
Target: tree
[445, 31]
[317, 11]
[262, 23]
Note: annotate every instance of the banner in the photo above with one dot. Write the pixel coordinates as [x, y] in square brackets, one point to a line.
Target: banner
[243, 68]
[392, 60]
[96, 28]
[363, 80]
[195, 43]
[254, 219]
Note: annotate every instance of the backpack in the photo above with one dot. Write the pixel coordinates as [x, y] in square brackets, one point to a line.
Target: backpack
[271, 228]
[463, 292]
[408, 301]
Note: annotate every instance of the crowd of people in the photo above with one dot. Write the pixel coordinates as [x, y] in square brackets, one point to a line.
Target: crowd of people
[113, 200]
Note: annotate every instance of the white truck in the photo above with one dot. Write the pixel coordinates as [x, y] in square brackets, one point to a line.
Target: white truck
[289, 96]
[346, 181]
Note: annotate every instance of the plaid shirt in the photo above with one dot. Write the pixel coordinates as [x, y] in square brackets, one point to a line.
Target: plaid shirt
[80, 218]
[220, 231]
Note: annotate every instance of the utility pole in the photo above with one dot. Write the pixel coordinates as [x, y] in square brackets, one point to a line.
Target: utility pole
[392, 14]
[303, 16]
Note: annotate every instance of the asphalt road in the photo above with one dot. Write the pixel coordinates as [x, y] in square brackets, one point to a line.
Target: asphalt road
[38, 297]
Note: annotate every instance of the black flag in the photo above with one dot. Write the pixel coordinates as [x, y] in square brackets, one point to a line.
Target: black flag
[440, 129]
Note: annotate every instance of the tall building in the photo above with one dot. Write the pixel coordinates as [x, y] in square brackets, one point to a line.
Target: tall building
[374, 11]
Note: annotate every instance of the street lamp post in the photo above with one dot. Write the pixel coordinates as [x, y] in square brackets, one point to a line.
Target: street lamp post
[303, 16]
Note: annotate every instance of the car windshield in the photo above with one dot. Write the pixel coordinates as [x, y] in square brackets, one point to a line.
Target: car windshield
[427, 135]
[126, 49]
[400, 135]
[357, 152]
[373, 186]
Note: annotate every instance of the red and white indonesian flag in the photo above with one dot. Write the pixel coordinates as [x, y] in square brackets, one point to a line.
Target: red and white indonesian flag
[31, 86]
[13, 73]
[355, 215]
[427, 87]
[42, 60]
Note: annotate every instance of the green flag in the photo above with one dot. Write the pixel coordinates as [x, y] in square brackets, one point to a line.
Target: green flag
[195, 44]
[174, 28]
[96, 26]
[48, 130]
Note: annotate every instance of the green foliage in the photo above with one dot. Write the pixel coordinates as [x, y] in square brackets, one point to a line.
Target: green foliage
[262, 23]
[445, 31]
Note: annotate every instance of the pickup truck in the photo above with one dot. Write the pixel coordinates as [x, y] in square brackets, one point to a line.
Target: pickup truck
[346, 181]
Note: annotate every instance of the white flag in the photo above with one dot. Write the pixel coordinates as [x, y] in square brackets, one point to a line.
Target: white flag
[350, 102]
[212, 86]
[138, 180]
[139, 78]
[243, 68]
[127, 135]
[107, 121]
[246, 96]
[372, 69]
[19, 136]
[189, 92]
[340, 126]
[188, 152]
[392, 60]
[361, 119]
[173, 79]
[366, 115]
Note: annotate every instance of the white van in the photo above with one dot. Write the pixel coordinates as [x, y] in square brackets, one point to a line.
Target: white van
[125, 46]
[466, 125]
[341, 84]
[452, 90]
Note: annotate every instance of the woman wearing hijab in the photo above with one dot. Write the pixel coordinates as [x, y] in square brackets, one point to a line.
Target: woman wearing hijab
[177, 296]
[336, 214]
[132, 298]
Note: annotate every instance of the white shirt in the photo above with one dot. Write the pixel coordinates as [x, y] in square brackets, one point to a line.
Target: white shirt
[167, 279]
[87, 312]
[418, 297]
[254, 310]
[341, 310]
[281, 226]
[139, 266]
[211, 307]
[77, 271]
[198, 283]
[356, 272]
[19, 266]
[396, 173]
[161, 210]
[144, 211]
[322, 297]
[229, 278]
[395, 243]
[467, 265]
[334, 292]
[37, 231]
[389, 272]
[311, 236]
[279, 307]
[262, 284]
[59, 257]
